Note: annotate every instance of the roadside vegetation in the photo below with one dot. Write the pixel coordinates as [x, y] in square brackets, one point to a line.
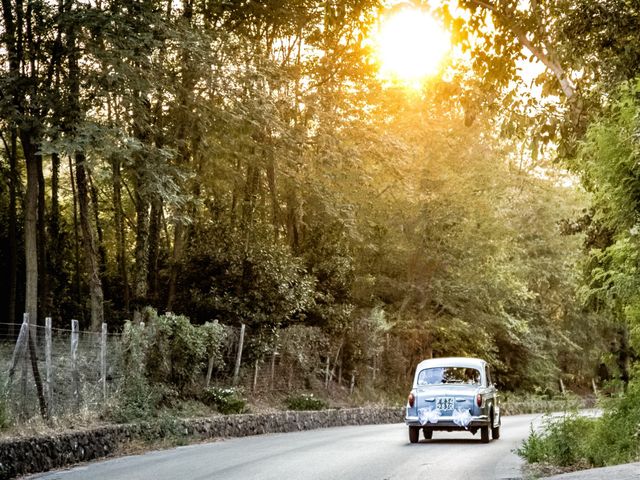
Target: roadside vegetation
[575, 441]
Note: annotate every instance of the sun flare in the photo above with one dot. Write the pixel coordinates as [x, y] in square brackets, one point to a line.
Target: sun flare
[411, 45]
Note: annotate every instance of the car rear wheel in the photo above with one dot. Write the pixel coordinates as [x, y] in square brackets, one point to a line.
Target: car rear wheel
[484, 434]
[495, 432]
[414, 433]
[428, 433]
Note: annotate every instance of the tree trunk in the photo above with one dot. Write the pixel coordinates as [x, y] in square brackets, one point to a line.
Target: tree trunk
[118, 218]
[102, 251]
[251, 186]
[76, 238]
[44, 298]
[155, 223]
[31, 229]
[13, 231]
[293, 220]
[141, 255]
[56, 256]
[90, 250]
[273, 192]
[178, 251]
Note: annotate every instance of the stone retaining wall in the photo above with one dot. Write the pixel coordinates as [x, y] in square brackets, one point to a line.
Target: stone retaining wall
[39, 454]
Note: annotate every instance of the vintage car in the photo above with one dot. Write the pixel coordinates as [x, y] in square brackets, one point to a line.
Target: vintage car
[453, 394]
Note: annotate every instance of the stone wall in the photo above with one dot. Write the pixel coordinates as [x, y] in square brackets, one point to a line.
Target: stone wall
[39, 454]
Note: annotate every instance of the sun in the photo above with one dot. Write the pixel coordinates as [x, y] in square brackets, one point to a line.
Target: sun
[411, 45]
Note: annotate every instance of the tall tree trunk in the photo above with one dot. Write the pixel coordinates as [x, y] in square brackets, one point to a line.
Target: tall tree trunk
[31, 257]
[273, 193]
[44, 297]
[248, 208]
[294, 219]
[55, 242]
[102, 251]
[155, 224]
[176, 261]
[31, 229]
[92, 261]
[90, 248]
[140, 285]
[118, 215]
[13, 232]
[76, 239]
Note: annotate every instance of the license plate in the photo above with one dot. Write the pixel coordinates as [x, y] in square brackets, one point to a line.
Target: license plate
[445, 403]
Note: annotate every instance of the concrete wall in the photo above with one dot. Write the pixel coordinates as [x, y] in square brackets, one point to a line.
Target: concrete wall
[39, 454]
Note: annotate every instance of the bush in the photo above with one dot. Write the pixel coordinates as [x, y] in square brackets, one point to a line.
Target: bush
[305, 401]
[176, 352]
[136, 399]
[564, 441]
[226, 400]
[616, 438]
[578, 441]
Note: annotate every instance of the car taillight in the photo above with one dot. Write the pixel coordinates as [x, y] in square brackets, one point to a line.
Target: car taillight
[411, 399]
[479, 400]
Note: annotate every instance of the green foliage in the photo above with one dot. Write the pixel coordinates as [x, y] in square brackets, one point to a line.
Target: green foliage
[608, 162]
[616, 438]
[260, 284]
[177, 350]
[214, 337]
[226, 400]
[164, 361]
[534, 449]
[136, 399]
[305, 401]
[563, 442]
[303, 349]
[574, 440]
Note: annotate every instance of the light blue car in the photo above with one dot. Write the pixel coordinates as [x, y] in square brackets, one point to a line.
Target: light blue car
[451, 394]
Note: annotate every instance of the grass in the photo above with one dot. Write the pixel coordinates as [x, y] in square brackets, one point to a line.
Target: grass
[576, 442]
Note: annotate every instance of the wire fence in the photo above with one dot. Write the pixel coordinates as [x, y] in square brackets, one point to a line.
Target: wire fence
[55, 372]
[58, 371]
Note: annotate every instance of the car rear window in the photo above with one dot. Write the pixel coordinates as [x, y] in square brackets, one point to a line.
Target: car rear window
[449, 375]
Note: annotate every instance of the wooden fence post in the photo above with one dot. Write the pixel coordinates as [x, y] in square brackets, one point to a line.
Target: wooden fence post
[103, 360]
[75, 377]
[209, 372]
[18, 351]
[273, 367]
[47, 362]
[327, 371]
[20, 357]
[25, 365]
[255, 375]
[236, 370]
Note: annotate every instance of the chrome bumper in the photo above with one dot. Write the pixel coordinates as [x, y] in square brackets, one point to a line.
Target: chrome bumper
[447, 423]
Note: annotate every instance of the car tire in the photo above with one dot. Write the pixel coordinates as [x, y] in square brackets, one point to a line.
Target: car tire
[414, 433]
[484, 434]
[428, 433]
[495, 432]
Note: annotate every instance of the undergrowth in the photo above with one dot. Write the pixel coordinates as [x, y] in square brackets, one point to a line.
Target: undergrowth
[305, 401]
[577, 441]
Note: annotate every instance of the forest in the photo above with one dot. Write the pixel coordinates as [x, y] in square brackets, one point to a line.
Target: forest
[250, 162]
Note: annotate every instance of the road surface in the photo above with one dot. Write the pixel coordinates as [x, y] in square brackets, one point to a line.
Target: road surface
[373, 452]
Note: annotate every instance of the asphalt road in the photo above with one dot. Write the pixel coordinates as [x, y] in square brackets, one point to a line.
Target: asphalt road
[346, 453]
